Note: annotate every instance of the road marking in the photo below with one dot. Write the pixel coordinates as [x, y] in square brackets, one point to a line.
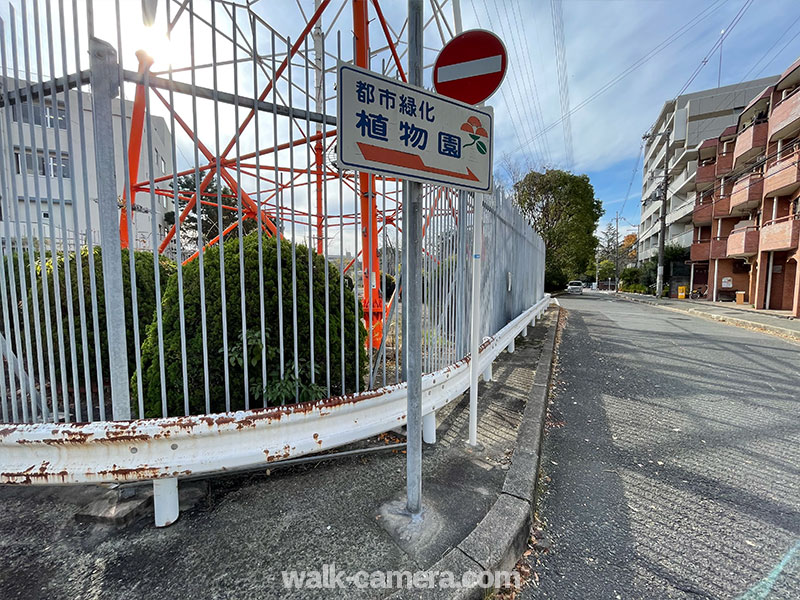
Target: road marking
[763, 588]
[471, 68]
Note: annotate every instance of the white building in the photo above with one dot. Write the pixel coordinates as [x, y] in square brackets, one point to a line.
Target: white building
[55, 186]
[689, 119]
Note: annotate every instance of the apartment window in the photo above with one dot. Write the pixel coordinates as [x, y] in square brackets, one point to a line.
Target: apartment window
[163, 165]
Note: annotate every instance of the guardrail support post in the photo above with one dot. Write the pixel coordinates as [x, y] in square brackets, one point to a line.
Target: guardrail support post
[429, 428]
[487, 374]
[511, 347]
[165, 501]
[525, 331]
[105, 87]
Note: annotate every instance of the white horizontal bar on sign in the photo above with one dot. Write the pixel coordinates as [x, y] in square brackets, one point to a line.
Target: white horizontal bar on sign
[471, 68]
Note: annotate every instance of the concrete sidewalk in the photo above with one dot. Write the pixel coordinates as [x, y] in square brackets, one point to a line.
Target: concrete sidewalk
[246, 529]
[768, 322]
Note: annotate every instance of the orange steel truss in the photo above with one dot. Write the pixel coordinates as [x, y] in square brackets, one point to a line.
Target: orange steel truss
[371, 220]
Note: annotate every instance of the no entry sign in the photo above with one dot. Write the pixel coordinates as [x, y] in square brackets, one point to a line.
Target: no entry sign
[470, 67]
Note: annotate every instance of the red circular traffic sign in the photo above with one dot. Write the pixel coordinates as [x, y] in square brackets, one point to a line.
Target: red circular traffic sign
[470, 67]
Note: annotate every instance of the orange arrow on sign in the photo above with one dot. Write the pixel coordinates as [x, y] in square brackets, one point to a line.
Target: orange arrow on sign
[407, 160]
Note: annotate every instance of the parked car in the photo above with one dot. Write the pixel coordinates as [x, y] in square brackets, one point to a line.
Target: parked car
[575, 287]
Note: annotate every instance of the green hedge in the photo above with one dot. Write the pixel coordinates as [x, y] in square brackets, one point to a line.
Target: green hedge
[277, 391]
[145, 301]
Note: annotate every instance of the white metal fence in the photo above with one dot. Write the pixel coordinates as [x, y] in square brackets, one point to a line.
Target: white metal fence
[263, 337]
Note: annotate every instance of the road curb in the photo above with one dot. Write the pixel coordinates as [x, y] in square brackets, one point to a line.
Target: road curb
[735, 321]
[500, 538]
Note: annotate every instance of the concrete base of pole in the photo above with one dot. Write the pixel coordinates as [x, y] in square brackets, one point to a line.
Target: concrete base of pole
[429, 428]
[165, 501]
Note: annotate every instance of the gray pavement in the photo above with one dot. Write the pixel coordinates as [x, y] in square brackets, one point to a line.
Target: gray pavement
[247, 528]
[779, 322]
[673, 457]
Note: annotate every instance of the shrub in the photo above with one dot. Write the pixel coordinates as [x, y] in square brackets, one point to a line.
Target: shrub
[277, 390]
[630, 275]
[145, 302]
[636, 288]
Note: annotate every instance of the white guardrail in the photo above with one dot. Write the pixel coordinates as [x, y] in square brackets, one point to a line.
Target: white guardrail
[173, 447]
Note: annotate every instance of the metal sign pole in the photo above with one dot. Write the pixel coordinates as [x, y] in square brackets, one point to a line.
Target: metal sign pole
[475, 322]
[412, 221]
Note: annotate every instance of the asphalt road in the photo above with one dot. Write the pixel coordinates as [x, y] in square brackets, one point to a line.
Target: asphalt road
[673, 457]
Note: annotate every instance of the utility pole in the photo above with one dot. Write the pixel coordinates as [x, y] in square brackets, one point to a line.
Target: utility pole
[616, 257]
[597, 269]
[662, 232]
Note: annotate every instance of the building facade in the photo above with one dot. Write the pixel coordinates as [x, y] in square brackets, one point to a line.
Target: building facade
[746, 218]
[50, 183]
[673, 147]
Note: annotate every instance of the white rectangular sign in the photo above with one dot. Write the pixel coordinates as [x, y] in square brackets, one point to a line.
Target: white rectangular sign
[389, 127]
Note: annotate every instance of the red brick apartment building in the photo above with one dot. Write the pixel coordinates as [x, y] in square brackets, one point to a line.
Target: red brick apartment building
[746, 215]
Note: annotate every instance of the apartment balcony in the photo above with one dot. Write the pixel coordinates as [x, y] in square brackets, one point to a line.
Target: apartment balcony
[719, 248]
[722, 207]
[684, 181]
[785, 115]
[743, 242]
[681, 214]
[701, 215]
[684, 240]
[780, 234]
[724, 164]
[750, 142]
[747, 193]
[706, 174]
[783, 176]
[700, 250]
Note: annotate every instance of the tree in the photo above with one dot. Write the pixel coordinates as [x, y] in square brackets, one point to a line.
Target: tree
[608, 243]
[209, 212]
[605, 270]
[562, 209]
[628, 247]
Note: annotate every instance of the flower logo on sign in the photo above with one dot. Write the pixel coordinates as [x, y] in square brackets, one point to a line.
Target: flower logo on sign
[476, 131]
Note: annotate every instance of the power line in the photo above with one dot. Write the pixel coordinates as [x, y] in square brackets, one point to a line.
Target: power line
[777, 41]
[633, 176]
[778, 53]
[678, 33]
[537, 107]
[717, 44]
[557, 15]
[514, 105]
[519, 79]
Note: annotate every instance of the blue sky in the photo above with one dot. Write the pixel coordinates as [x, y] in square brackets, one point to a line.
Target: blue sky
[603, 38]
